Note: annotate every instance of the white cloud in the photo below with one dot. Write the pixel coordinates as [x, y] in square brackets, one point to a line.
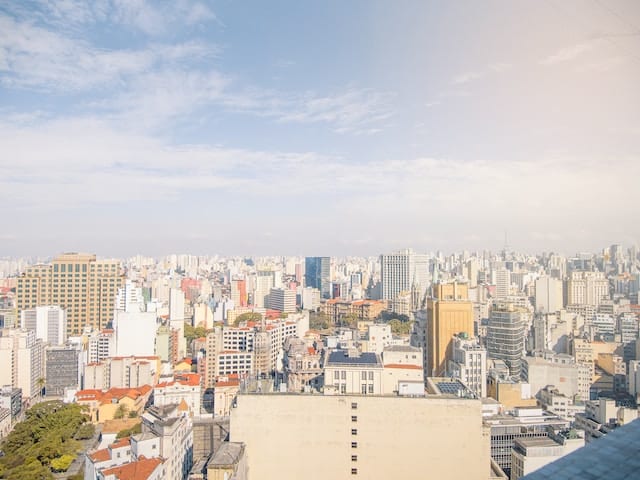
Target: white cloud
[33, 57]
[567, 54]
[467, 77]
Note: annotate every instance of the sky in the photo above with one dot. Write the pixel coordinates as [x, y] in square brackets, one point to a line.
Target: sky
[318, 128]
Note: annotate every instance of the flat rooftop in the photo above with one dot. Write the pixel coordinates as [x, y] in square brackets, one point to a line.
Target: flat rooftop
[341, 357]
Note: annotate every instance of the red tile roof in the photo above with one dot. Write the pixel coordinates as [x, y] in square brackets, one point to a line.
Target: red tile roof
[100, 455]
[140, 470]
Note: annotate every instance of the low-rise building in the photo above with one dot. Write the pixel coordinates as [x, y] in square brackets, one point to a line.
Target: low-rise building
[523, 423]
[531, 454]
[185, 387]
[352, 372]
[553, 401]
[229, 461]
[113, 403]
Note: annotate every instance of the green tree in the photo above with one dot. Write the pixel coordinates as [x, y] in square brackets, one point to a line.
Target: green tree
[61, 464]
[127, 432]
[247, 317]
[319, 321]
[400, 328]
[85, 432]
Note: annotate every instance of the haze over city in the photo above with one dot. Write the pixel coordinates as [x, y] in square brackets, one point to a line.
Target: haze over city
[338, 128]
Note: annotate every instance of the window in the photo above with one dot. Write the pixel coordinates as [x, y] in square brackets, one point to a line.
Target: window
[371, 376]
[354, 418]
[364, 375]
[354, 431]
[354, 471]
[354, 444]
[354, 458]
[364, 388]
[336, 375]
[371, 388]
[354, 405]
[344, 374]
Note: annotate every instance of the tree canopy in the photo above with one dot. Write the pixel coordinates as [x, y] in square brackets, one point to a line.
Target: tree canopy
[248, 317]
[43, 442]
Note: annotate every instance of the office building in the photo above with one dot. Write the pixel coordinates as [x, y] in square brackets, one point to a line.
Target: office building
[549, 294]
[84, 287]
[523, 423]
[404, 271]
[282, 300]
[506, 334]
[531, 454]
[49, 323]
[560, 370]
[449, 313]
[317, 274]
[587, 288]
[62, 367]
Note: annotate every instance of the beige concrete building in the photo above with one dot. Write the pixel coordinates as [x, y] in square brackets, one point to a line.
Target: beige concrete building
[291, 436]
[448, 314]
[83, 286]
[531, 454]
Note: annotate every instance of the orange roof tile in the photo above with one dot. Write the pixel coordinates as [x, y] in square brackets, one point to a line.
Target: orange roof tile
[140, 470]
[120, 443]
[100, 455]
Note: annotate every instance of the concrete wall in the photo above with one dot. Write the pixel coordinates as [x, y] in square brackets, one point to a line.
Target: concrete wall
[311, 436]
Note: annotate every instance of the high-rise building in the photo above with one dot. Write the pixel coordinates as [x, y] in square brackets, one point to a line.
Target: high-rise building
[449, 313]
[84, 287]
[282, 300]
[505, 335]
[503, 282]
[49, 323]
[404, 271]
[239, 292]
[21, 357]
[469, 364]
[62, 366]
[548, 294]
[265, 281]
[318, 274]
[587, 288]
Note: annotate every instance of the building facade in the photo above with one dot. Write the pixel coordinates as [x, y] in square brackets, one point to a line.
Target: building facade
[84, 287]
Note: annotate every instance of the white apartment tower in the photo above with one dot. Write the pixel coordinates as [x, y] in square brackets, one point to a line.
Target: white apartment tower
[469, 364]
[22, 360]
[548, 294]
[49, 323]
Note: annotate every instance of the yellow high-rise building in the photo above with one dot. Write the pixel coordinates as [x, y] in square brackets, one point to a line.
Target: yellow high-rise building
[83, 286]
[450, 312]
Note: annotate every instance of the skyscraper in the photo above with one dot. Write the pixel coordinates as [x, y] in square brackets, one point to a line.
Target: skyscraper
[49, 323]
[505, 336]
[318, 274]
[404, 271]
[449, 313]
[84, 287]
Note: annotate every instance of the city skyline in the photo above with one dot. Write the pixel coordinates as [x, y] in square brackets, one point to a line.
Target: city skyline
[324, 129]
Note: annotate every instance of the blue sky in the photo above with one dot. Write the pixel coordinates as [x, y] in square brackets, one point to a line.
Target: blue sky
[318, 127]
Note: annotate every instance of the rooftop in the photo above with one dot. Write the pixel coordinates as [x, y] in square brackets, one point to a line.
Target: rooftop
[342, 357]
[615, 457]
[229, 453]
[140, 470]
